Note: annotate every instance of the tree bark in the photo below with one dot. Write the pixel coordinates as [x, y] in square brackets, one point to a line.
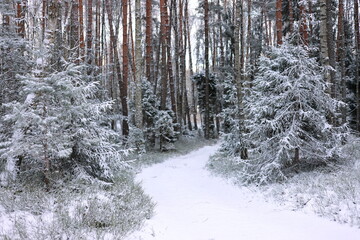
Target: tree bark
[357, 71]
[164, 72]
[124, 82]
[81, 30]
[138, 59]
[20, 17]
[303, 24]
[341, 57]
[279, 22]
[193, 104]
[97, 33]
[207, 73]
[291, 16]
[74, 31]
[89, 36]
[148, 40]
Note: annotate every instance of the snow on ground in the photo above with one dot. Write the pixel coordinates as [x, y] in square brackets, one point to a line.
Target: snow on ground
[193, 205]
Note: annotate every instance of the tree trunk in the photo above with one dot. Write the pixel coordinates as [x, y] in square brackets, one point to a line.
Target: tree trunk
[81, 30]
[138, 58]
[89, 33]
[331, 47]
[43, 20]
[20, 17]
[186, 96]
[291, 16]
[97, 33]
[182, 67]
[341, 57]
[193, 104]
[175, 92]
[303, 25]
[74, 31]
[357, 71]
[324, 55]
[148, 40]
[207, 73]
[164, 73]
[124, 82]
[279, 22]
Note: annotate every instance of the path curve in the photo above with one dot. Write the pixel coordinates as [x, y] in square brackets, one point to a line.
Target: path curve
[191, 204]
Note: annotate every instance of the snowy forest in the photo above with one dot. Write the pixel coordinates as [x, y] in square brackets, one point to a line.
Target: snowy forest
[94, 91]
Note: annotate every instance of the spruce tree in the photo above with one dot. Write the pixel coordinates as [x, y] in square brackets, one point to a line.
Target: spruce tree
[288, 112]
[59, 124]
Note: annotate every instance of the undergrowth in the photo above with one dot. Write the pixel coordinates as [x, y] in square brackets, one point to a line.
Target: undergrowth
[79, 210]
[84, 208]
[331, 192]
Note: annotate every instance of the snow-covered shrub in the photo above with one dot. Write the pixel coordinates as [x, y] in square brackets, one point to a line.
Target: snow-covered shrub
[59, 124]
[136, 140]
[74, 211]
[287, 116]
[165, 129]
[332, 194]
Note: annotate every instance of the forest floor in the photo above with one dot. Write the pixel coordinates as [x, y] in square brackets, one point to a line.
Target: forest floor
[193, 204]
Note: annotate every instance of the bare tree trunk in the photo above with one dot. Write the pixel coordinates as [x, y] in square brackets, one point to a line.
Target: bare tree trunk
[324, 41]
[186, 97]
[89, 36]
[176, 91]
[81, 30]
[279, 21]
[20, 17]
[248, 37]
[207, 73]
[331, 47]
[97, 33]
[303, 24]
[182, 67]
[124, 82]
[164, 73]
[194, 109]
[74, 31]
[267, 34]
[357, 71]
[43, 21]
[148, 40]
[341, 57]
[138, 59]
[239, 66]
[168, 21]
[291, 16]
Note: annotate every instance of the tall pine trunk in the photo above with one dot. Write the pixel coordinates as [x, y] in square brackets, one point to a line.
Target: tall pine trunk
[341, 57]
[89, 35]
[207, 72]
[124, 82]
[357, 51]
[138, 59]
[279, 21]
[148, 40]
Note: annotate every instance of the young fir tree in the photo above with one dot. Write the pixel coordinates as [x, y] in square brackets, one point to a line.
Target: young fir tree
[288, 110]
[58, 125]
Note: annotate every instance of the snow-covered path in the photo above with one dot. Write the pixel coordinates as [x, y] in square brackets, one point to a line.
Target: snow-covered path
[193, 205]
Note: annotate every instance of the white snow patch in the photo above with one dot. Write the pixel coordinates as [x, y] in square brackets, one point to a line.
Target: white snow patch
[193, 205]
